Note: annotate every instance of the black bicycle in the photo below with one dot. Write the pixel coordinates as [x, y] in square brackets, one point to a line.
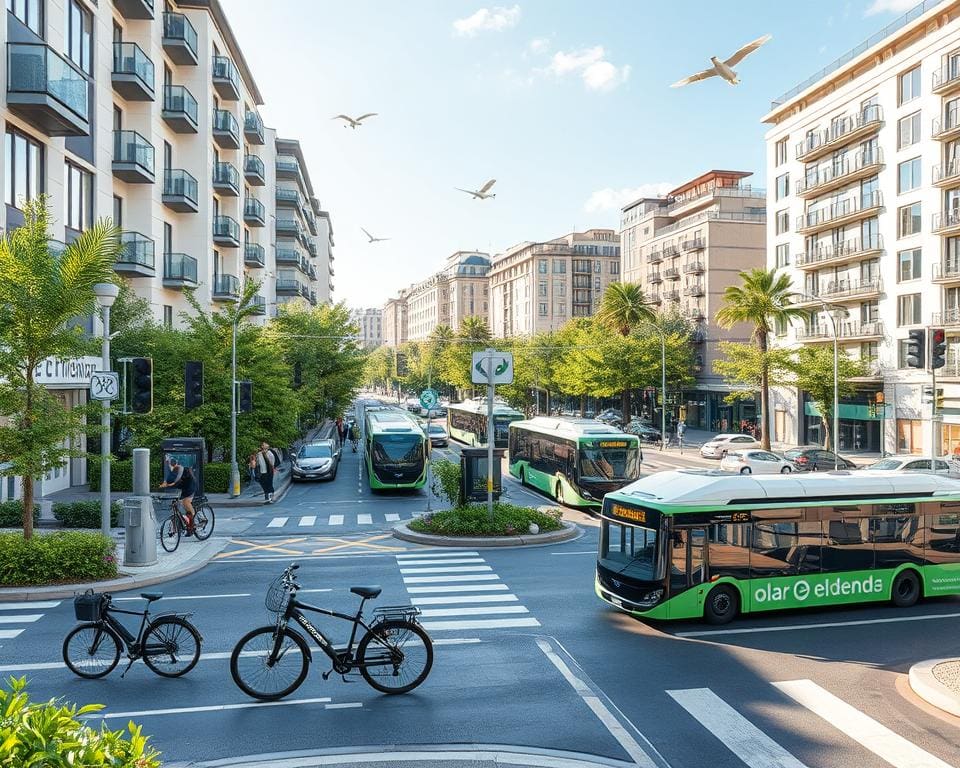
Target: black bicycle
[169, 644]
[394, 656]
[175, 526]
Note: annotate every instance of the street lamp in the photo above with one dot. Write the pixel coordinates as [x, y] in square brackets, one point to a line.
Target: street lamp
[106, 294]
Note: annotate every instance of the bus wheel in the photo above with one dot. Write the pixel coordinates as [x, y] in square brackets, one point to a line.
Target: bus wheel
[722, 605]
[906, 589]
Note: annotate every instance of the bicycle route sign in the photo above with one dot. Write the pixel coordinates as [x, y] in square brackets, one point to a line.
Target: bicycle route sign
[501, 364]
[105, 385]
[429, 398]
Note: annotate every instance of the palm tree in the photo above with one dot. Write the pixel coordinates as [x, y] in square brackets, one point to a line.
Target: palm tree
[474, 329]
[41, 293]
[623, 309]
[764, 299]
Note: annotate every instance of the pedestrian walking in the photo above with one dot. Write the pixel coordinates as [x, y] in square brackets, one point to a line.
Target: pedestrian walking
[267, 467]
[252, 467]
[341, 429]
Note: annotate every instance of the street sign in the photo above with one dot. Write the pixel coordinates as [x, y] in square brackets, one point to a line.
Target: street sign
[502, 367]
[105, 385]
[429, 398]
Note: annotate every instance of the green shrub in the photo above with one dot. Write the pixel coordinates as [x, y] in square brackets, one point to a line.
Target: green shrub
[446, 481]
[473, 520]
[84, 514]
[11, 514]
[216, 476]
[65, 557]
[51, 734]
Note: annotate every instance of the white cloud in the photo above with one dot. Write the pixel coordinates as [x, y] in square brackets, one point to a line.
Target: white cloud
[889, 6]
[538, 45]
[591, 64]
[487, 19]
[610, 199]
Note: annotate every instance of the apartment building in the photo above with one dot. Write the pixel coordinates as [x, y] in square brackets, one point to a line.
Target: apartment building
[370, 326]
[538, 287]
[395, 320]
[684, 250]
[864, 169]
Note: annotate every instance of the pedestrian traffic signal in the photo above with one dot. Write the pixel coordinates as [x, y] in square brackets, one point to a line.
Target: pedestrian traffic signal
[938, 348]
[141, 387]
[245, 400]
[916, 348]
[192, 384]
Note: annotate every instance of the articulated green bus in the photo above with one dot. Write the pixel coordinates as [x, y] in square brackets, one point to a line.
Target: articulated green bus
[395, 449]
[576, 461]
[467, 422]
[705, 543]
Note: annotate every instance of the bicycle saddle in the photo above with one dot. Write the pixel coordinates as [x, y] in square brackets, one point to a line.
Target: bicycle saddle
[151, 596]
[369, 591]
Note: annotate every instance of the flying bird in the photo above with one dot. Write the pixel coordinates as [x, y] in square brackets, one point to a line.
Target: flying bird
[372, 238]
[353, 122]
[724, 68]
[480, 194]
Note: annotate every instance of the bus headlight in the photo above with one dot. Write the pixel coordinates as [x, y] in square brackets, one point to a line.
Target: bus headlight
[652, 598]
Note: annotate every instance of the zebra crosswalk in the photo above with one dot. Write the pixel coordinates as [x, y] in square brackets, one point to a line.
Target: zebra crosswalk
[299, 522]
[457, 591]
[16, 617]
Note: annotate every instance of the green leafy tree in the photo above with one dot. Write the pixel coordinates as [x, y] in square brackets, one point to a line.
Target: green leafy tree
[379, 369]
[623, 309]
[578, 371]
[812, 369]
[746, 367]
[473, 336]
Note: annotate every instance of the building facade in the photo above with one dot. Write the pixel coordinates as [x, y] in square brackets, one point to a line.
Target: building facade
[684, 250]
[395, 321]
[864, 174]
[538, 287]
[370, 324]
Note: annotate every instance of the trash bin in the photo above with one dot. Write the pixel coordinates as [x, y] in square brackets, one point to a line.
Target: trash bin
[473, 473]
[140, 531]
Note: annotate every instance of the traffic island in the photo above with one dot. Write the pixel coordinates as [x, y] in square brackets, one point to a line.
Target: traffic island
[937, 682]
[471, 526]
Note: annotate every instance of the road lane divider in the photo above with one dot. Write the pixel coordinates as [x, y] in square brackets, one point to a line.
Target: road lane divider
[819, 625]
[207, 708]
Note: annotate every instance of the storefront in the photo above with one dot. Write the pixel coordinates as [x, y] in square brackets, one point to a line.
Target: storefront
[860, 426]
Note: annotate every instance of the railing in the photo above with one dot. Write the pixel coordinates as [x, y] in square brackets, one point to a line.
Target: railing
[226, 226]
[226, 285]
[686, 221]
[253, 208]
[225, 69]
[288, 256]
[653, 277]
[252, 164]
[289, 226]
[671, 295]
[37, 68]
[838, 129]
[840, 170]
[841, 210]
[130, 147]
[670, 250]
[697, 289]
[948, 73]
[946, 220]
[129, 59]
[849, 330]
[949, 316]
[225, 174]
[176, 98]
[741, 191]
[846, 249]
[287, 164]
[693, 245]
[259, 304]
[253, 124]
[558, 248]
[693, 267]
[946, 171]
[288, 196]
[179, 183]
[655, 257]
[651, 297]
[136, 249]
[225, 121]
[179, 266]
[948, 269]
[672, 273]
[851, 288]
[253, 254]
[950, 121]
[176, 26]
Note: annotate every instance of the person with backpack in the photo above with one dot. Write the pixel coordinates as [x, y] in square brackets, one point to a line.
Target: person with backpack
[268, 464]
[183, 478]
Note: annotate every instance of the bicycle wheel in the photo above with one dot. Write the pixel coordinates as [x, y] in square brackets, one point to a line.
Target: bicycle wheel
[255, 677]
[203, 522]
[171, 646]
[91, 650]
[170, 533]
[395, 657]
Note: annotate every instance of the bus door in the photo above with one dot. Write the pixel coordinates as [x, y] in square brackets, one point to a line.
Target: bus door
[688, 566]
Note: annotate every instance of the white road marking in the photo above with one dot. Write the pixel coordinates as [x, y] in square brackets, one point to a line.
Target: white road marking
[210, 708]
[308, 520]
[28, 606]
[792, 627]
[451, 577]
[23, 618]
[448, 561]
[459, 588]
[9, 634]
[862, 728]
[335, 520]
[186, 597]
[487, 610]
[454, 569]
[463, 599]
[457, 640]
[364, 519]
[584, 552]
[392, 517]
[345, 705]
[428, 553]
[731, 728]
[480, 624]
[277, 522]
[327, 589]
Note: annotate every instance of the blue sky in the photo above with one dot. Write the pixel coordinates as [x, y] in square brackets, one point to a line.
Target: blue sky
[565, 102]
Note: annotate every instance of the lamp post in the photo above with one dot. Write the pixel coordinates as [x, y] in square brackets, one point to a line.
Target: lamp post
[234, 469]
[106, 294]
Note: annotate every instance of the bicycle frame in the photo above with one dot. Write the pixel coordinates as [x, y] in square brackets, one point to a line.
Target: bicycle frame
[131, 642]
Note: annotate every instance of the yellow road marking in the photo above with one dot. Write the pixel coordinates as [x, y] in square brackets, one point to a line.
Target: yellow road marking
[362, 543]
[270, 547]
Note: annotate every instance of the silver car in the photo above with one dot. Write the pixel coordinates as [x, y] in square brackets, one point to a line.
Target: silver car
[316, 461]
[721, 445]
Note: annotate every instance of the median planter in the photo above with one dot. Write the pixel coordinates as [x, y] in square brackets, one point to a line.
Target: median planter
[470, 526]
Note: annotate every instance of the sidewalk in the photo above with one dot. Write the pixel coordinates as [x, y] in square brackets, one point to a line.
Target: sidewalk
[937, 682]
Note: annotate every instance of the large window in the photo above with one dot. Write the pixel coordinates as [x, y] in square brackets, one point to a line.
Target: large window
[908, 265]
[909, 220]
[783, 186]
[559, 266]
[782, 150]
[79, 197]
[783, 221]
[783, 255]
[908, 309]
[79, 35]
[908, 175]
[24, 168]
[30, 12]
[908, 130]
[910, 85]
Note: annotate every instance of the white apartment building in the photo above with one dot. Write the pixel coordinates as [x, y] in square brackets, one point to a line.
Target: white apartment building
[395, 320]
[538, 287]
[864, 174]
[370, 324]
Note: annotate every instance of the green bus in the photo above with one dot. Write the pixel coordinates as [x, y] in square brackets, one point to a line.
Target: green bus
[576, 461]
[711, 544]
[395, 449]
[467, 422]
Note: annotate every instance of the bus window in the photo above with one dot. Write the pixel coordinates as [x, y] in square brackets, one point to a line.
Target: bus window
[846, 545]
[730, 550]
[943, 538]
[892, 539]
[687, 567]
[784, 549]
[630, 550]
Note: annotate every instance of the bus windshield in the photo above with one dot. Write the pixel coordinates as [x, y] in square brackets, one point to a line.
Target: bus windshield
[608, 463]
[629, 549]
[397, 450]
[501, 428]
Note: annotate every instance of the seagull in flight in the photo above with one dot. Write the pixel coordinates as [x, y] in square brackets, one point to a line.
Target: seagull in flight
[724, 69]
[480, 194]
[353, 122]
[372, 238]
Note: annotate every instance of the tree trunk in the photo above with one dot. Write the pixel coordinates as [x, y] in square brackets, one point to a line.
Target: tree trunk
[27, 480]
[583, 406]
[764, 394]
[826, 431]
[548, 402]
[625, 405]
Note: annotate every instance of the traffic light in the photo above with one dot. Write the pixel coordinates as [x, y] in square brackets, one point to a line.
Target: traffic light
[916, 348]
[141, 387]
[192, 384]
[938, 348]
[245, 400]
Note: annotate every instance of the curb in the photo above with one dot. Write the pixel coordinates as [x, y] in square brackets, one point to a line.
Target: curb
[125, 582]
[239, 502]
[569, 531]
[931, 690]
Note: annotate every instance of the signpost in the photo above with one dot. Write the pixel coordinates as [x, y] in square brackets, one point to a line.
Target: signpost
[105, 385]
[428, 400]
[491, 367]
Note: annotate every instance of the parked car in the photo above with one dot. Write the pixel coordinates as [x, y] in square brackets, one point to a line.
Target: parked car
[719, 446]
[437, 434]
[316, 461]
[412, 404]
[909, 463]
[645, 432]
[756, 461]
[816, 459]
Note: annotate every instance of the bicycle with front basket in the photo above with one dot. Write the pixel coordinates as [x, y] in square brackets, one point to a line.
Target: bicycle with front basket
[168, 644]
[175, 526]
[394, 656]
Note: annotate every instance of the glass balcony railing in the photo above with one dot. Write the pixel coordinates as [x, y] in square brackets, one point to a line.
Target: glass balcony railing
[253, 166]
[179, 267]
[254, 255]
[253, 126]
[225, 70]
[177, 27]
[253, 209]
[226, 175]
[226, 227]
[137, 250]
[177, 99]
[288, 196]
[129, 59]
[225, 122]
[130, 148]
[35, 68]
[179, 183]
[287, 164]
[226, 285]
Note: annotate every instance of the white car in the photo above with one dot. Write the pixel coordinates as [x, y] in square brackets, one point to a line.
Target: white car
[753, 461]
[721, 445]
[910, 463]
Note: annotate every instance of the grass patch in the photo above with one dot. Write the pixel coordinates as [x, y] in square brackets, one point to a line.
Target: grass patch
[473, 520]
[66, 557]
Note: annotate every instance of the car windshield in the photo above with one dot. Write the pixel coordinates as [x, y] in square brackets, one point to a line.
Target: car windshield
[436, 429]
[601, 463]
[629, 550]
[396, 450]
[886, 464]
[315, 452]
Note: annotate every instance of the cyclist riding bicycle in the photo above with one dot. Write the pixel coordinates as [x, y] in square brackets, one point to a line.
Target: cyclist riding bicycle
[354, 436]
[183, 478]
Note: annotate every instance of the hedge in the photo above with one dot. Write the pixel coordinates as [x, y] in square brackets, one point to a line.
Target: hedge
[84, 514]
[66, 557]
[216, 476]
[11, 514]
[473, 520]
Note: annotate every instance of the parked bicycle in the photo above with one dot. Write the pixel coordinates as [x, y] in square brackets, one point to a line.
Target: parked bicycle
[168, 644]
[394, 656]
[175, 526]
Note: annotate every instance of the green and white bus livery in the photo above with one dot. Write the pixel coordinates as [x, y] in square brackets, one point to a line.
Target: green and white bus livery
[576, 461]
[467, 422]
[704, 543]
[395, 449]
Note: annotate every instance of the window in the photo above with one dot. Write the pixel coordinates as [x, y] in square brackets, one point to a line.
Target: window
[598, 266]
[908, 175]
[559, 266]
[910, 85]
[79, 34]
[782, 150]
[542, 288]
[783, 221]
[78, 197]
[614, 267]
[908, 309]
[909, 220]
[167, 316]
[783, 186]
[118, 211]
[559, 289]
[24, 168]
[908, 130]
[543, 309]
[29, 12]
[783, 255]
[902, 351]
[908, 265]
[780, 326]
[542, 266]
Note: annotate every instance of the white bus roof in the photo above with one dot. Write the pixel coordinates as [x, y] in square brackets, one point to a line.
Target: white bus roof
[480, 406]
[710, 487]
[572, 428]
[392, 420]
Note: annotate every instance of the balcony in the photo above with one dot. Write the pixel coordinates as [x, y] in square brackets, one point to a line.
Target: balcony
[670, 250]
[843, 172]
[254, 213]
[693, 268]
[947, 175]
[253, 127]
[226, 179]
[291, 257]
[132, 158]
[846, 331]
[671, 295]
[47, 90]
[226, 232]
[253, 171]
[313, 298]
[696, 244]
[179, 271]
[841, 253]
[844, 212]
[694, 313]
[311, 223]
[288, 287]
[258, 304]
[179, 39]
[226, 78]
[654, 277]
[304, 291]
[179, 109]
[226, 288]
[655, 257]
[694, 289]
[254, 256]
[947, 222]
[849, 290]
[137, 256]
[180, 191]
[288, 198]
[841, 132]
[287, 167]
[949, 318]
[946, 128]
[672, 273]
[226, 130]
[289, 228]
[948, 271]
[651, 297]
[312, 247]
[946, 79]
[133, 75]
[134, 9]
